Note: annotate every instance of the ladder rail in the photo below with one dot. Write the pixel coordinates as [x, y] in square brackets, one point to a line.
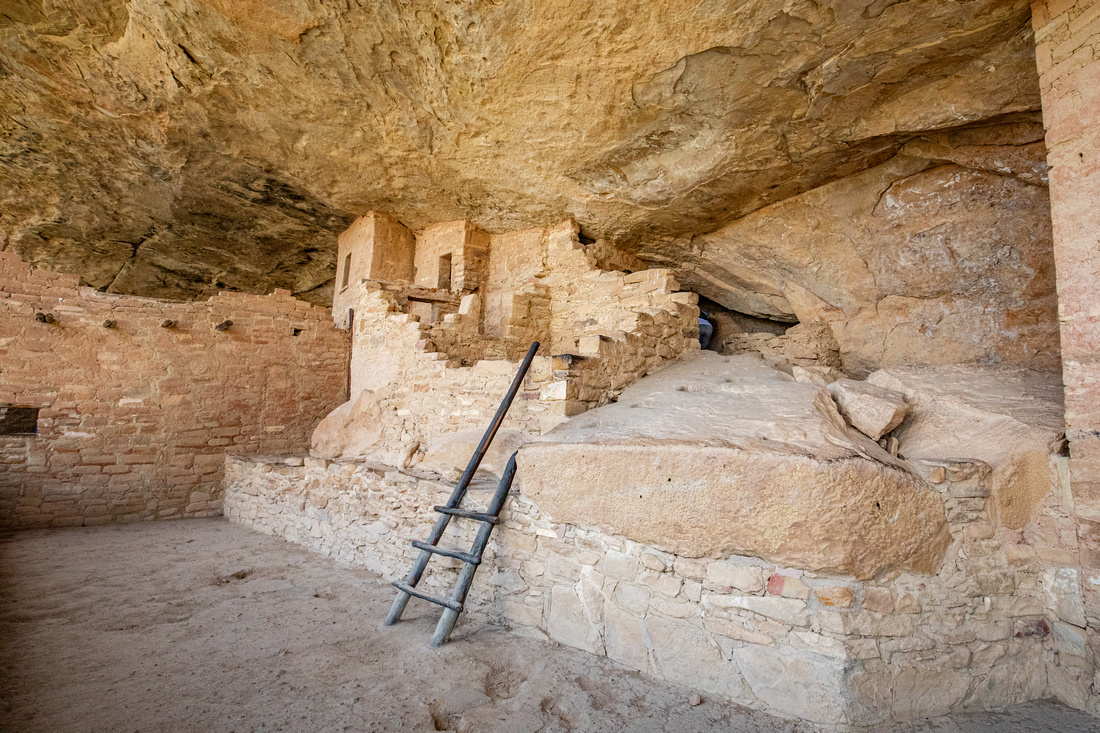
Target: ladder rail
[459, 492]
[466, 576]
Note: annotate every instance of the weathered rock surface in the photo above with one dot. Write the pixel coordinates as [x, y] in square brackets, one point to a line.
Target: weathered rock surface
[724, 455]
[809, 344]
[350, 430]
[450, 454]
[870, 409]
[1010, 418]
[915, 261]
[177, 149]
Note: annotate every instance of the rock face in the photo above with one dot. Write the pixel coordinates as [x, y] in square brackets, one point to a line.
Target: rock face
[1010, 418]
[725, 455]
[450, 454]
[177, 149]
[911, 262]
[870, 409]
[350, 430]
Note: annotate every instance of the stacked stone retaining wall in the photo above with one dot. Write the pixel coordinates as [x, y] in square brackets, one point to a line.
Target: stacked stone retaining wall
[980, 633]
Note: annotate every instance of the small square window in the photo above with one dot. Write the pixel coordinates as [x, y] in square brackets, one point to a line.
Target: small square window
[15, 420]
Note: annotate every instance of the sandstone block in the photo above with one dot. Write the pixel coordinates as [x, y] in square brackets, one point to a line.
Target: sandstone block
[870, 409]
[560, 390]
[1063, 590]
[879, 600]
[632, 598]
[687, 568]
[737, 628]
[641, 468]
[625, 639]
[836, 596]
[812, 687]
[921, 692]
[787, 587]
[819, 644]
[747, 579]
[822, 376]
[689, 656]
[619, 566]
[791, 611]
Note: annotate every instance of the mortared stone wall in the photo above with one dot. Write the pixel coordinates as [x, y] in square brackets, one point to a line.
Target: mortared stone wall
[135, 418]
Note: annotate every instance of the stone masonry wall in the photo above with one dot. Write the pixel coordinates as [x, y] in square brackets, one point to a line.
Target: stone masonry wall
[516, 305]
[1067, 38]
[135, 419]
[586, 300]
[468, 247]
[977, 634]
[423, 393]
[431, 379]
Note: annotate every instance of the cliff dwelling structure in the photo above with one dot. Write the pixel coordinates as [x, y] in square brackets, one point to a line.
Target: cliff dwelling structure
[814, 423]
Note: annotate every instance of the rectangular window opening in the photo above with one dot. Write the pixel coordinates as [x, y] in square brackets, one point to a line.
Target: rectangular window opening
[347, 273]
[444, 280]
[16, 420]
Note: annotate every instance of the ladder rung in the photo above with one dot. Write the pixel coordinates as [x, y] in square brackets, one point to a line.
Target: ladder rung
[463, 556]
[406, 588]
[479, 516]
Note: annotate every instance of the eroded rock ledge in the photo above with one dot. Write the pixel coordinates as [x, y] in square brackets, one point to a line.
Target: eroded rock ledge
[173, 150]
[726, 455]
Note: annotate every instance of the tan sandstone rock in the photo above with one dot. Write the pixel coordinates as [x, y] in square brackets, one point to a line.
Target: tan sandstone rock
[670, 121]
[350, 430]
[822, 376]
[912, 261]
[1005, 416]
[450, 454]
[870, 409]
[725, 455]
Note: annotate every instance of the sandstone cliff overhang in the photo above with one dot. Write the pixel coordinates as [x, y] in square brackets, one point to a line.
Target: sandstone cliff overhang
[726, 455]
[172, 150]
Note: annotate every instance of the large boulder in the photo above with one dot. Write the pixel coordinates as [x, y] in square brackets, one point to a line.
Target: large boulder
[450, 454]
[1008, 417]
[349, 431]
[727, 455]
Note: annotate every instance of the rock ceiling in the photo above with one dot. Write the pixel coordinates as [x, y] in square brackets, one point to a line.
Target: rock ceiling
[174, 147]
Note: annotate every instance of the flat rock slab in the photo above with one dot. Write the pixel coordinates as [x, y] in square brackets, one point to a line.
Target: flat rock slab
[726, 455]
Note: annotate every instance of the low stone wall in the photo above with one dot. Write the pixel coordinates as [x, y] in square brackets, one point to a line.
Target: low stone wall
[135, 419]
[983, 632]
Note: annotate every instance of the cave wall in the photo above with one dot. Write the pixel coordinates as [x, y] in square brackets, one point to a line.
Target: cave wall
[940, 255]
[135, 419]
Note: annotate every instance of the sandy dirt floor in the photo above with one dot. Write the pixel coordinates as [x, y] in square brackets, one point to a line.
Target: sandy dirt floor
[202, 625]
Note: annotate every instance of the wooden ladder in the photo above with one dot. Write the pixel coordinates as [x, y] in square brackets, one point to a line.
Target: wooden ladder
[452, 606]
